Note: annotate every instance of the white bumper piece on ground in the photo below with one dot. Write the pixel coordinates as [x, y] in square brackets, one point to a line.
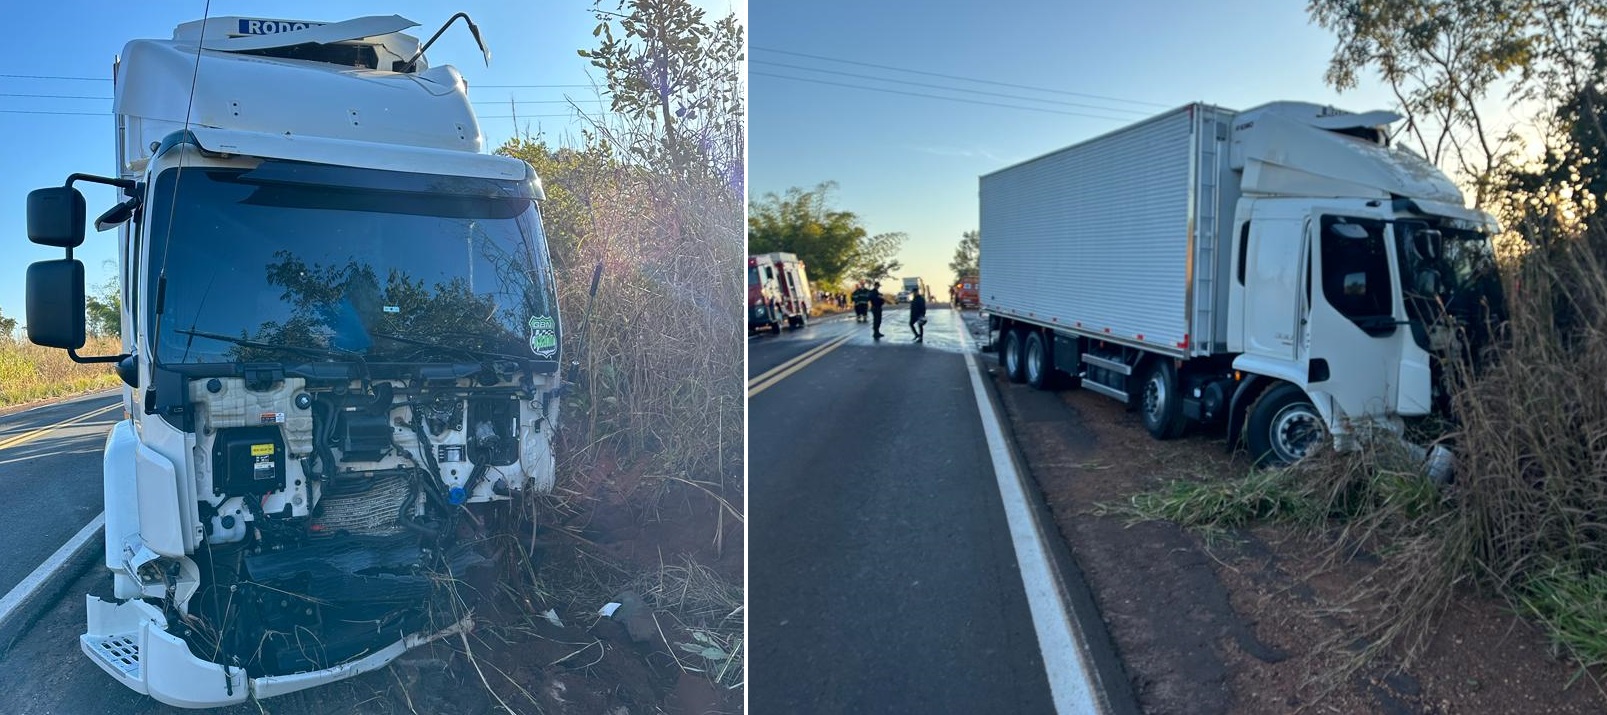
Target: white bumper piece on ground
[130, 642]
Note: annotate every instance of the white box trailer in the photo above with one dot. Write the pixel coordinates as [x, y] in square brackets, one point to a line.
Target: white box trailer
[1265, 268]
[1118, 236]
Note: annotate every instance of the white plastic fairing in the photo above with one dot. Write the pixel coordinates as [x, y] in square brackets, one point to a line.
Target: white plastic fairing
[156, 492]
[1294, 149]
[262, 34]
[289, 98]
[367, 155]
[130, 642]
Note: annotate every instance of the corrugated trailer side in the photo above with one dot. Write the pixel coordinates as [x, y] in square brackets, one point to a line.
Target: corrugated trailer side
[1099, 237]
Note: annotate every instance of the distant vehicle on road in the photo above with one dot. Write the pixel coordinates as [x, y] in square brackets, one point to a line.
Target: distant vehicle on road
[967, 292]
[902, 297]
[914, 284]
[1282, 271]
[783, 284]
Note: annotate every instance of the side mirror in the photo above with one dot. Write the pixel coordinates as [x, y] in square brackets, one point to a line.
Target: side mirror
[117, 215]
[1427, 243]
[56, 217]
[55, 297]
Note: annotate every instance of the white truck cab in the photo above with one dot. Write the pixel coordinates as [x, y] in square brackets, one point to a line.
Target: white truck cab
[340, 345]
[1282, 270]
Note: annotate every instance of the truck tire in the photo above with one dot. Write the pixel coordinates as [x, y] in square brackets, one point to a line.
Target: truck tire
[1036, 363]
[1160, 405]
[1283, 427]
[1010, 355]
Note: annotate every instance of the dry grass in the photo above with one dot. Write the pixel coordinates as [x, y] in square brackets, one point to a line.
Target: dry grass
[1525, 519]
[29, 372]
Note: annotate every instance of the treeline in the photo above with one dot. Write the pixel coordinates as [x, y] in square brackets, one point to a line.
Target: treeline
[834, 246]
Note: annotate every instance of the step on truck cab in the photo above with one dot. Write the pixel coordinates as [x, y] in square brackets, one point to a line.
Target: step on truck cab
[1284, 271]
[340, 340]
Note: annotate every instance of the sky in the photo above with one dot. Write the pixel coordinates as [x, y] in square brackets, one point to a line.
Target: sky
[532, 44]
[910, 164]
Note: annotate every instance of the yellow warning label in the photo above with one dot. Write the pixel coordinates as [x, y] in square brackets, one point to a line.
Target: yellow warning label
[261, 450]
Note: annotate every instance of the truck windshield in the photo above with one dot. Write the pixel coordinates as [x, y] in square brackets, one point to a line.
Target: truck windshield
[1447, 269]
[378, 265]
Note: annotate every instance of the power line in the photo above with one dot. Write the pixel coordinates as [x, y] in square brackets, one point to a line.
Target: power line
[524, 116]
[531, 86]
[71, 114]
[962, 78]
[938, 96]
[524, 101]
[949, 89]
[46, 76]
[54, 96]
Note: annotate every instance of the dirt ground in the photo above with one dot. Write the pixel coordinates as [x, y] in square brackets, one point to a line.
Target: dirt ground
[1248, 624]
[633, 538]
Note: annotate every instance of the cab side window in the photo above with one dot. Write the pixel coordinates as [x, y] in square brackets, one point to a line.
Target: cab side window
[1355, 267]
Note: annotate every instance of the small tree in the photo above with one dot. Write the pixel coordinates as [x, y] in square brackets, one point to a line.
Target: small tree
[967, 254]
[104, 309]
[8, 328]
[873, 258]
[803, 223]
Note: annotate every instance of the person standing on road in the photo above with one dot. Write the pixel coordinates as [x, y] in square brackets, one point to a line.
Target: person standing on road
[918, 316]
[876, 301]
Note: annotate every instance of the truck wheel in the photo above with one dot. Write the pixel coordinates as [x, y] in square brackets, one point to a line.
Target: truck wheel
[1040, 369]
[1010, 355]
[1159, 404]
[1284, 427]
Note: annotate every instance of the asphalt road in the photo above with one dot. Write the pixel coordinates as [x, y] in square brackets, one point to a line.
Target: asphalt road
[882, 576]
[52, 478]
[768, 350]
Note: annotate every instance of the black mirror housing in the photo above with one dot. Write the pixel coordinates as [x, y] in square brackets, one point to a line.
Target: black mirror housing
[56, 217]
[56, 300]
[128, 369]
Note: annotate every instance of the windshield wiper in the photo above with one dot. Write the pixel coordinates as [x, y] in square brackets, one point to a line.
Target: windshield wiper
[259, 345]
[476, 353]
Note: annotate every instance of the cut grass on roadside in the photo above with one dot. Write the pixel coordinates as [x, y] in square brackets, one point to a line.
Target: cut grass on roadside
[30, 372]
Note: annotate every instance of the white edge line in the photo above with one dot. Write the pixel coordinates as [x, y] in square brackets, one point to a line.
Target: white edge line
[1071, 679]
[48, 570]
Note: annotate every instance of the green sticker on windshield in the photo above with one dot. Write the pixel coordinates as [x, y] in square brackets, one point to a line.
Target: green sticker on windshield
[543, 335]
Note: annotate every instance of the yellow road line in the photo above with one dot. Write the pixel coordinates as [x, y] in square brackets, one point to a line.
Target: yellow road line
[767, 374]
[770, 378]
[42, 431]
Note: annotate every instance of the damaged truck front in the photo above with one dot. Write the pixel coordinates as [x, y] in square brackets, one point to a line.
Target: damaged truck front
[340, 343]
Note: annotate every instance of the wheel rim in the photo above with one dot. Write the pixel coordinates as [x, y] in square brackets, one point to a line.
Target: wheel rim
[1034, 360]
[1154, 397]
[1012, 354]
[1296, 430]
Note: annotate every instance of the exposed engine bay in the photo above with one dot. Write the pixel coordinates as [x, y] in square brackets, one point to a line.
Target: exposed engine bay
[331, 520]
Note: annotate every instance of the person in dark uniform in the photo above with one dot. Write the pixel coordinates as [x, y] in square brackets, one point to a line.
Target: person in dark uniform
[918, 316]
[861, 303]
[876, 301]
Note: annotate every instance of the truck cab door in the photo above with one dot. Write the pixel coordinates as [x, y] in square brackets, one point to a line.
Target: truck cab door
[1353, 329]
[1272, 305]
